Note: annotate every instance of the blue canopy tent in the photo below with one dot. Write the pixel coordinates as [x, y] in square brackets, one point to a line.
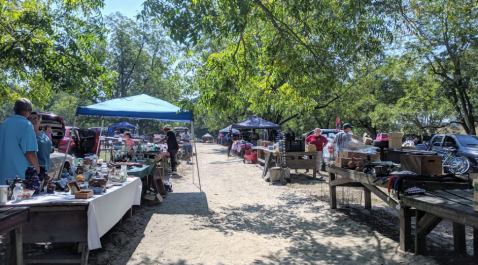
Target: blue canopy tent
[139, 107]
[255, 122]
[121, 125]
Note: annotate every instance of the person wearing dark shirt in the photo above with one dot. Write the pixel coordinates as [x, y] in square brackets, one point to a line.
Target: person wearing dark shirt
[173, 146]
[254, 137]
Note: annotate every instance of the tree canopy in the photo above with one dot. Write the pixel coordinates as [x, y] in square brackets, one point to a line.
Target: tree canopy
[48, 45]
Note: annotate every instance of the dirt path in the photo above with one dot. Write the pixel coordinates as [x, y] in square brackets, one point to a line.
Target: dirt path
[238, 218]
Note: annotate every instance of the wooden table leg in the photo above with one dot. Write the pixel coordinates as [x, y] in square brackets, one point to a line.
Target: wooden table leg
[367, 198]
[266, 164]
[425, 223]
[332, 191]
[314, 173]
[420, 239]
[19, 245]
[85, 252]
[459, 238]
[405, 229]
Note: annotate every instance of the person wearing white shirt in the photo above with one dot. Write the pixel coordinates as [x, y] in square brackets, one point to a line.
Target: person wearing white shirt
[188, 149]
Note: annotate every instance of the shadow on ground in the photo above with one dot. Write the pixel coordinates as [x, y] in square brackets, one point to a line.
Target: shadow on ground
[126, 236]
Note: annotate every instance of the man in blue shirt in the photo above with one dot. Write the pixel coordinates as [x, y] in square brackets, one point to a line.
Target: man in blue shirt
[18, 143]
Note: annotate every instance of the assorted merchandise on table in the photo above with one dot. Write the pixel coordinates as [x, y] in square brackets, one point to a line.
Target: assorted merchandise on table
[90, 177]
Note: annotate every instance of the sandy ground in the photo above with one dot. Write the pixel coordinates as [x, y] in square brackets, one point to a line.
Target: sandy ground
[238, 218]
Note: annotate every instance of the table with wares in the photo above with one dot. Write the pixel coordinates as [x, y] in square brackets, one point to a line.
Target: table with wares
[61, 218]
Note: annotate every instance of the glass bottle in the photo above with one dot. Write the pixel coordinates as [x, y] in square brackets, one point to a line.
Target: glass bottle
[17, 191]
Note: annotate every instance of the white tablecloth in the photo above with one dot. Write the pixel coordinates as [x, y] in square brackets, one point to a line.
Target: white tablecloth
[104, 211]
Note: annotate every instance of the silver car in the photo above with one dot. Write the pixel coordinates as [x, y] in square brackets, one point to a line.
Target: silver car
[56, 160]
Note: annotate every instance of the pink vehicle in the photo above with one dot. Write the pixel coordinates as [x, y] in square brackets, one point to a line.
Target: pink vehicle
[83, 141]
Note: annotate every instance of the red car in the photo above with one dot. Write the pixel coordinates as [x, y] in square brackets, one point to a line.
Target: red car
[83, 141]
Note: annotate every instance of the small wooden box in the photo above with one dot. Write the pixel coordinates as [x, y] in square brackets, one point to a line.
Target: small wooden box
[84, 194]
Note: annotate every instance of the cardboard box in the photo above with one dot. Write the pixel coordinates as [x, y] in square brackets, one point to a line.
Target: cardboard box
[311, 148]
[475, 201]
[395, 140]
[473, 176]
[342, 161]
[367, 141]
[475, 196]
[422, 164]
[349, 154]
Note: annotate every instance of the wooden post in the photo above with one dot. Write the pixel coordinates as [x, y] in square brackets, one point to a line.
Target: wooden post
[405, 229]
[367, 198]
[19, 245]
[332, 191]
[459, 238]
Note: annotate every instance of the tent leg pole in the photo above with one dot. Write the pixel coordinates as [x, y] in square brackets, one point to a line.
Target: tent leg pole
[99, 138]
[195, 151]
[67, 146]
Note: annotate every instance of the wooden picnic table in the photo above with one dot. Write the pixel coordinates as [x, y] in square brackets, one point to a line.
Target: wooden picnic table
[291, 160]
[442, 200]
[12, 219]
[435, 206]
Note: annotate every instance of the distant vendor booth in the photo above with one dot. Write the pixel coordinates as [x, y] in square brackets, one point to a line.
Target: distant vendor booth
[207, 138]
[121, 125]
[88, 203]
[224, 132]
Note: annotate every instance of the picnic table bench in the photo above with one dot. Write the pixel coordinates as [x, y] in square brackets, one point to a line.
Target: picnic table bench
[442, 200]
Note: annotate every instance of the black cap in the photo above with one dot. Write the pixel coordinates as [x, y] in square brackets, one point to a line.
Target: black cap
[347, 125]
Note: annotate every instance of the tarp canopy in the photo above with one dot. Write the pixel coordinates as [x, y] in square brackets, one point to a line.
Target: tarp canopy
[255, 122]
[121, 125]
[226, 130]
[207, 135]
[137, 107]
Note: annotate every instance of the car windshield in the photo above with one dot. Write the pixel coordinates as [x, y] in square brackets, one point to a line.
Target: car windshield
[468, 140]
